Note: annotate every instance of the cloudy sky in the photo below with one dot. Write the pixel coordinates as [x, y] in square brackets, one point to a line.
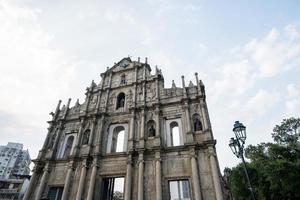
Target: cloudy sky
[248, 56]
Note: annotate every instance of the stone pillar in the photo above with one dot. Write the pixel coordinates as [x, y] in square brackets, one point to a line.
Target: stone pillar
[128, 183]
[157, 121]
[42, 183]
[203, 112]
[158, 176]
[197, 81]
[187, 116]
[142, 135]
[195, 173]
[93, 179]
[31, 183]
[92, 132]
[67, 181]
[78, 138]
[141, 177]
[99, 135]
[81, 181]
[183, 87]
[215, 174]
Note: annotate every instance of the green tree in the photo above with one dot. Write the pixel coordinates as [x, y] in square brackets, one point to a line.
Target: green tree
[274, 168]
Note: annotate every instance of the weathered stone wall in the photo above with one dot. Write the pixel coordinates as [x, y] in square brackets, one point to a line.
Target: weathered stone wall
[149, 163]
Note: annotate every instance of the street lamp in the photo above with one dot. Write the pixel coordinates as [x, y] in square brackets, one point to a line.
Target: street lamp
[237, 147]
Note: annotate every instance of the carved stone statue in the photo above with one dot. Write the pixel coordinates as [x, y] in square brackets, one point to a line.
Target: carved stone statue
[197, 125]
[151, 131]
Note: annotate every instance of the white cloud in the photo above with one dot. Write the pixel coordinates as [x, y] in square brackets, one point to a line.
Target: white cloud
[33, 74]
[291, 32]
[292, 90]
[261, 102]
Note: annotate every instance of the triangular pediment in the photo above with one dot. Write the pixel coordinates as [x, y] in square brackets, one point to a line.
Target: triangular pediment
[121, 65]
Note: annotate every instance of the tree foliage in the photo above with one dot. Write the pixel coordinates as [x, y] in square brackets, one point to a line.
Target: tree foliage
[274, 168]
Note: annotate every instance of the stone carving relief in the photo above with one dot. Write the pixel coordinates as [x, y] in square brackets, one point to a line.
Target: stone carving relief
[130, 98]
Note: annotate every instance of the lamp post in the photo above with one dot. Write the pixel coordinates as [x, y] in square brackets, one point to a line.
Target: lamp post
[237, 147]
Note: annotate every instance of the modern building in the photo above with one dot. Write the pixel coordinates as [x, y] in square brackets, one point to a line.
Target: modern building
[13, 161]
[130, 139]
[14, 189]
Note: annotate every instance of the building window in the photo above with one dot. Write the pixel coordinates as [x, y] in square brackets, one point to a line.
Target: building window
[175, 138]
[86, 136]
[55, 193]
[113, 189]
[121, 100]
[68, 146]
[117, 144]
[117, 138]
[123, 79]
[197, 123]
[173, 134]
[179, 190]
[151, 128]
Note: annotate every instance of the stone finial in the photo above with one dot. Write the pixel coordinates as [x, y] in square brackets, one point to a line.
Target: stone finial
[69, 101]
[139, 59]
[146, 60]
[183, 82]
[58, 106]
[191, 84]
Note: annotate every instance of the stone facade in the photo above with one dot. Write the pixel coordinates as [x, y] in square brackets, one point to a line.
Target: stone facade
[157, 140]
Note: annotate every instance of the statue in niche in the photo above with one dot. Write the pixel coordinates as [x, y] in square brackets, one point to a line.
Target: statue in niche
[197, 125]
[51, 144]
[151, 131]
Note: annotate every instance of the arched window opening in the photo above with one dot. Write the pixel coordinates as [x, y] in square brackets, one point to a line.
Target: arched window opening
[121, 100]
[151, 128]
[175, 137]
[123, 79]
[86, 137]
[197, 123]
[68, 146]
[117, 144]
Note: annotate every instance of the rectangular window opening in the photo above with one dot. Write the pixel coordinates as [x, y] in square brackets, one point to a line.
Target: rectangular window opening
[179, 190]
[113, 188]
[55, 193]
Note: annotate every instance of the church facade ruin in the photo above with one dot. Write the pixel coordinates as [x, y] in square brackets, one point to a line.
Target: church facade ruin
[131, 139]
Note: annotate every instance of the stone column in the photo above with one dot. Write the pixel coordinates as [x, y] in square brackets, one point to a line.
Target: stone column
[31, 183]
[195, 173]
[203, 112]
[92, 131]
[142, 135]
[158, 176]
[67, 181]
[78, 138]
[81, 180]
[93, 179]
[99, 135]
[131, 133]
[183, 87]
[187, 116]
[141, 177]
[157, 121]
[215, 174]
[128, 183]
[42, 183]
